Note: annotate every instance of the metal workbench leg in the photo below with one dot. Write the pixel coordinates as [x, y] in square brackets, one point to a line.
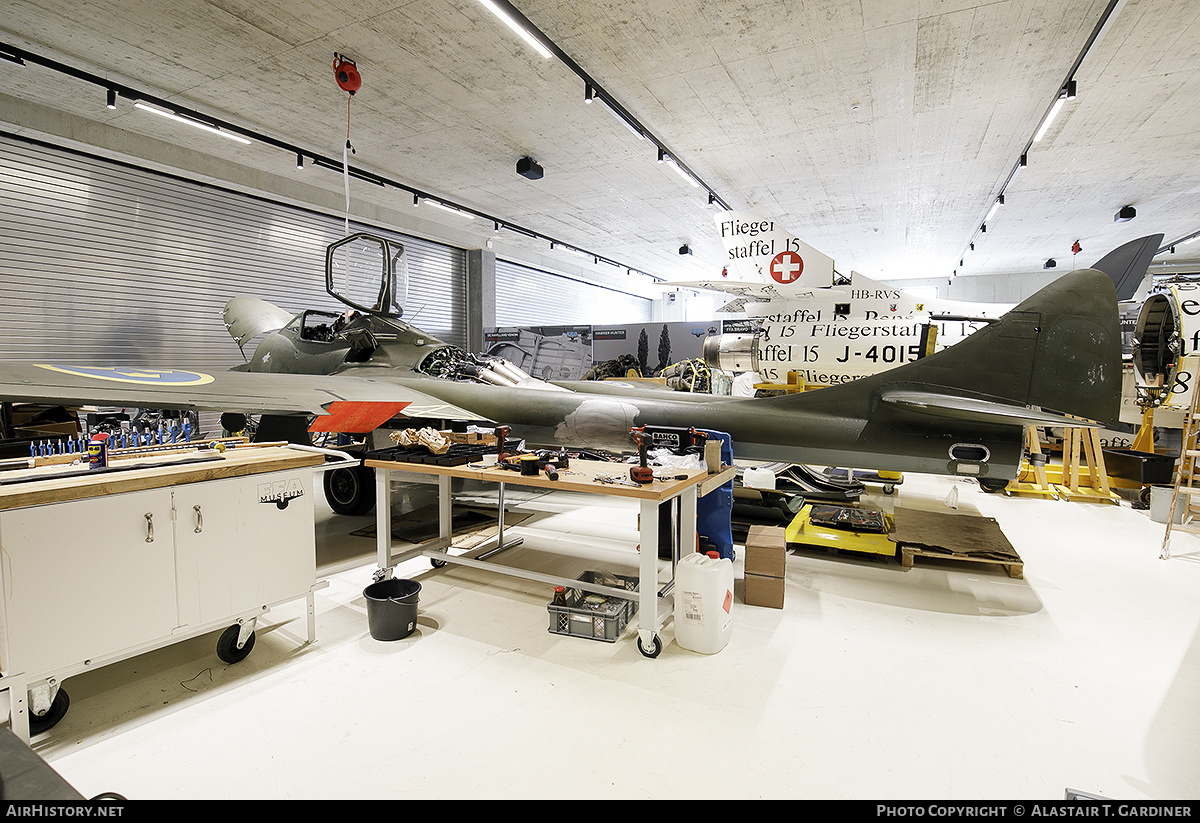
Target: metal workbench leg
[18, 704]
[501, 544]
[383, 519]
[445, 508]
[687, 521]
[649, 643]
[312, 617]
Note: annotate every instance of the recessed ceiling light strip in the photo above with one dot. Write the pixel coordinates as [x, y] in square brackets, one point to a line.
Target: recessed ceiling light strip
[525, 33]
[194, 117]
[1067, 91]
[593, 90]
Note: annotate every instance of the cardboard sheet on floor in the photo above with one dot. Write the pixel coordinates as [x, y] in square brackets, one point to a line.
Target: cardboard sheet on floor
[968, 536]
[468, 527]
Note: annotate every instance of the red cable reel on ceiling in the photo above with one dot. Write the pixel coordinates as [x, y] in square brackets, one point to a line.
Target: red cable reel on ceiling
[345, 72]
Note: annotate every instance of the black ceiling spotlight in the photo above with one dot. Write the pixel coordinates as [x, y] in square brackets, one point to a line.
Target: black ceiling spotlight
[684, 249]
[110, 99]
[1049, 264]
[1126, 214]
[527, 168]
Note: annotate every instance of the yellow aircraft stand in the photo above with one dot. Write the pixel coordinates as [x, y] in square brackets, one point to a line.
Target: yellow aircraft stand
[1033, 479]
[802, 531]
[1144, 440]
[795, 383]
[1090, 482]
[1075, 481]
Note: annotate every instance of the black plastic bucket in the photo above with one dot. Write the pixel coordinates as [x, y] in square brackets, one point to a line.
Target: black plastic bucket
[392, 608]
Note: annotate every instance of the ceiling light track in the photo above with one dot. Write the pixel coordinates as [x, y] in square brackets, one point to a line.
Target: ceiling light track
[594, 91]
[195, 122]
[522, 27]
[113, 91]
[1067, 91]
[1182, 241]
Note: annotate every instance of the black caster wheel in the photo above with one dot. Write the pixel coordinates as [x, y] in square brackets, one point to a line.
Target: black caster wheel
[437, 564]
[227, 648]
[350, 490]
[39, 723]
[654, 650]
[992, 486]
[889, 489]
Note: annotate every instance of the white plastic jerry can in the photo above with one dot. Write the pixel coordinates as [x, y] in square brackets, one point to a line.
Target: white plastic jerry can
[703, 602]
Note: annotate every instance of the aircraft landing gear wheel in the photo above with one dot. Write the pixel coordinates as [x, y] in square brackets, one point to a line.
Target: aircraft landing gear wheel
[350, 490]
[227, 647]
[39, 723]
[654, 650]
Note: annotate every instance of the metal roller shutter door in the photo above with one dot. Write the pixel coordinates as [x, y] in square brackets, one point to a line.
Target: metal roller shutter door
[526, 296]
[106, 262]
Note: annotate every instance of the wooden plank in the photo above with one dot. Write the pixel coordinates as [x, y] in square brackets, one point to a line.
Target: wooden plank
[54, 484]
[1014, 568]
[580, 476]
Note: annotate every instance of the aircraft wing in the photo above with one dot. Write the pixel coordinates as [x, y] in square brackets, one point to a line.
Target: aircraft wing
[760, 292]
[247, 392]
[745, 292]
[977, 410]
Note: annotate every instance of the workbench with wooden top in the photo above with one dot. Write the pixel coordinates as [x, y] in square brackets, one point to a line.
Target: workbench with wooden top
[587, 476]
[98, 565]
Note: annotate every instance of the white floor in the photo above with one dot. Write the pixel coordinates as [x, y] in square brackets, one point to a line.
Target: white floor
[944, 681]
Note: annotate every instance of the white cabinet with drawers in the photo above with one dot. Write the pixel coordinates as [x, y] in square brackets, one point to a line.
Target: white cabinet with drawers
[144, 558]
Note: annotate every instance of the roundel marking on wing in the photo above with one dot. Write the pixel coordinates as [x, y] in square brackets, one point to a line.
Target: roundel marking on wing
[127, 374]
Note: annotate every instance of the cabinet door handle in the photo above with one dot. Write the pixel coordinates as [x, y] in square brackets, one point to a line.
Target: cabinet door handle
[199, 519]
[149, 527]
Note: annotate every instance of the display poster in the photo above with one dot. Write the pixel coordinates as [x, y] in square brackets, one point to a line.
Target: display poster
[545, 352]
[651, 347]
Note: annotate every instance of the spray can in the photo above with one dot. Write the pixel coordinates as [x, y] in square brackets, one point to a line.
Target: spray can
[98, 451]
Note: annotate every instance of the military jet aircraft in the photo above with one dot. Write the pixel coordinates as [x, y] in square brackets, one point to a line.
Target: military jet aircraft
[830, 329]
[958, 412]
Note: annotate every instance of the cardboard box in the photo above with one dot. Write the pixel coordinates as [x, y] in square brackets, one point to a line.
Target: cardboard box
[769, 561]
[766, 536]
[470, 438]
[763, 590]
[766, 566]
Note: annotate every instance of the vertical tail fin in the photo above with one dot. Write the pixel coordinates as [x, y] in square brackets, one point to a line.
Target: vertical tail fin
[760, 251]
[1127, 264]
[1057, 351]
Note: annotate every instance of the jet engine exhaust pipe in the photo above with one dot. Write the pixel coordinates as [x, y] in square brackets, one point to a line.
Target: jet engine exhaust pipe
[731, 352]
[507, 370]
[487, 375]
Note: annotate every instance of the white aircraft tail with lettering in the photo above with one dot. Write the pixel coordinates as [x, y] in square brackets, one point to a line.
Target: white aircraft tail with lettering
[760, 251]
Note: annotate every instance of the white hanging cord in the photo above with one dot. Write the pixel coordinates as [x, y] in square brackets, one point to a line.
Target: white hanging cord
[347, 150]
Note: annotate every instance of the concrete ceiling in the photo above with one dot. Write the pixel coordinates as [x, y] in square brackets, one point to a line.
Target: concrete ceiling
[879, 131]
